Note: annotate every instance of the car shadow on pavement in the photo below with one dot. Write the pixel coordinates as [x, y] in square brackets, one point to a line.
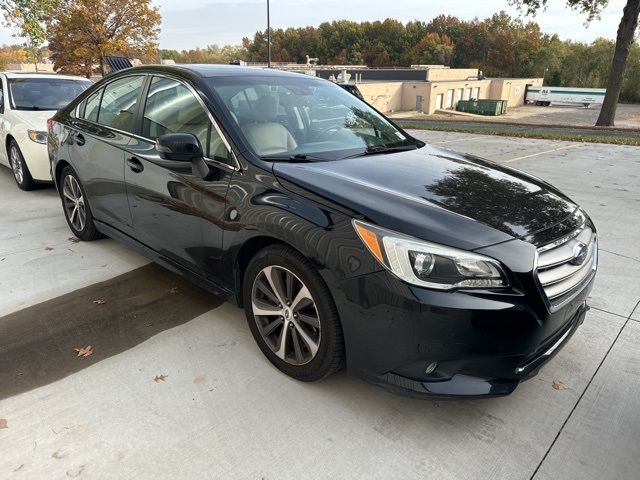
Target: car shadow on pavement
[38, 344]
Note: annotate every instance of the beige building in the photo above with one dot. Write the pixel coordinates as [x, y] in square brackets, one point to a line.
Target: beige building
[442, 89]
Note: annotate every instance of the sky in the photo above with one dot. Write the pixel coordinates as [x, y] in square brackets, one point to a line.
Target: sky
[196, 23]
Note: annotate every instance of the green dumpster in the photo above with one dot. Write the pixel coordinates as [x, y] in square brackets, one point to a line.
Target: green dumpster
[483, 107]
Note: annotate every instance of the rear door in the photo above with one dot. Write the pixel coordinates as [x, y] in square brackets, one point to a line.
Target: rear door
[98, 138]
[176, 212]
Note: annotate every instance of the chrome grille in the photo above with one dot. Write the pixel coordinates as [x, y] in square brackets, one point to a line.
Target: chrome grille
[563, 266]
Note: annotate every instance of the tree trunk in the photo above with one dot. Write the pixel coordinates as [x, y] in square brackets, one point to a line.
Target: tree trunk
[626, 33]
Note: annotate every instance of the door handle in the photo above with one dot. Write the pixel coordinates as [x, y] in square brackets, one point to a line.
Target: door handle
[135, 165]
[79, 138]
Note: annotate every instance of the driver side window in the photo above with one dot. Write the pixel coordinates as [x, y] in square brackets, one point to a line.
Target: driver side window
[172, 108]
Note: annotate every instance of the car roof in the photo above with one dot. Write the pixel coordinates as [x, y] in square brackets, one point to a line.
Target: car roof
[10, 74]
[214, 70]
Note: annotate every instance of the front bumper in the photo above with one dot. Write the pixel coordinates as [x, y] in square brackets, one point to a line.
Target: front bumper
[485, 343]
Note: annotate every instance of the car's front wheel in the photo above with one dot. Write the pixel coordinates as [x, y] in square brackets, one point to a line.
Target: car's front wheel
[19, 168]
[292, 315]
[76, 207]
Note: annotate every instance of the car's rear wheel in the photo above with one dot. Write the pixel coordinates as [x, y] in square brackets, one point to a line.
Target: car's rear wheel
[76, 207]
[292, 315]
[19, 168]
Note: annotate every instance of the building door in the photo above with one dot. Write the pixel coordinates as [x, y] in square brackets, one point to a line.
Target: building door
[449, 99]
[439, 101]
[467, 94]
[419, 100]
[477, 94]
[459, 93]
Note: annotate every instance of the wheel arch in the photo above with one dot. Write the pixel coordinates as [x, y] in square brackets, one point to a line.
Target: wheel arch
[247, 251]
[60, 166]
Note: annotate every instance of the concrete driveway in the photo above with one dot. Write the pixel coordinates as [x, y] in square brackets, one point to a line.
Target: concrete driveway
[176, 387]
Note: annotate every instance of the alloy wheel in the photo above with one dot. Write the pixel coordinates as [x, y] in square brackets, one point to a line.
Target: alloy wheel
[73, 200]
[16, 164]
[286, 315]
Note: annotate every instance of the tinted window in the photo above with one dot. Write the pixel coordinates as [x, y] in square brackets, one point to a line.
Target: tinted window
[172, 108]
[44, 93]
[119, 102]
[93, 106]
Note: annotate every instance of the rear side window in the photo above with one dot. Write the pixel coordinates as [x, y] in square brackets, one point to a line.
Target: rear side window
[119, 103]
[92, 106]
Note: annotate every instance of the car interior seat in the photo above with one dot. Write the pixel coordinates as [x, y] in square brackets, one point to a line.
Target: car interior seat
[265, 134]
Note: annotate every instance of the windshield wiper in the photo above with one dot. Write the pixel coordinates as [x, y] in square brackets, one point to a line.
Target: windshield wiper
[298, 157]
[379, 149]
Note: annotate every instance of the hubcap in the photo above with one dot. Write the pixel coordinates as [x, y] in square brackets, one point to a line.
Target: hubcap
[286, 315]
[73, 200]
[16, 164]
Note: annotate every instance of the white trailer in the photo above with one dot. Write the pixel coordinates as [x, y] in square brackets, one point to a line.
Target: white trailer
[545, 96]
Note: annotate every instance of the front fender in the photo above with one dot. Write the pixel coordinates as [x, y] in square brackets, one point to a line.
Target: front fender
[264, 209]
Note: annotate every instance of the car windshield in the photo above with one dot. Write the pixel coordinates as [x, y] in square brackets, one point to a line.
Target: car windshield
[44, 93]
[289, 118]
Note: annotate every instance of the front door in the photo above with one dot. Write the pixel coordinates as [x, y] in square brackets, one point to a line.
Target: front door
[97, 143]
[4, 123]
[419, 100]
[175, 211]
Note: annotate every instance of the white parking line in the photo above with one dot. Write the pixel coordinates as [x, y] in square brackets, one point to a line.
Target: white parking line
[575, 145]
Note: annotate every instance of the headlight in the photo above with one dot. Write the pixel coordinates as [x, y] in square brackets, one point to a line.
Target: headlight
[428, 264]
[36, 136]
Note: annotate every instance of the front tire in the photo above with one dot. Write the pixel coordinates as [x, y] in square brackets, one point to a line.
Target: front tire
[76, 207]
[21, 173]
[292, 315]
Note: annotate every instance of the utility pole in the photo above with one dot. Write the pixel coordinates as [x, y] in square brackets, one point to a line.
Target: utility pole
[268, 36]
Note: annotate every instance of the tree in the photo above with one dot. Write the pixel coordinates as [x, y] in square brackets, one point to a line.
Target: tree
[433, 49]
[28, 18]
[82, 32]
[626, 33]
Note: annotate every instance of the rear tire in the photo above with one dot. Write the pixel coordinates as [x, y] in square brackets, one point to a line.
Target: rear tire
[76, 206]
[298, 328]
[21, 173]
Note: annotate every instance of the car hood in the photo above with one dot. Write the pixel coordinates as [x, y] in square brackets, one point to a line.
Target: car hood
[434, 194]
[34, 119]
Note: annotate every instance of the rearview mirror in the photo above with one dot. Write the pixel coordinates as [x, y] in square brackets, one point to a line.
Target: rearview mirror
[179, 147]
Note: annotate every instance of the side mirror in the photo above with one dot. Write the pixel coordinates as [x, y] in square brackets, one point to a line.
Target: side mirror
[179, 147]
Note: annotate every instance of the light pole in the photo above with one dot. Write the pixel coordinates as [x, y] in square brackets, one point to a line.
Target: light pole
[268, 36]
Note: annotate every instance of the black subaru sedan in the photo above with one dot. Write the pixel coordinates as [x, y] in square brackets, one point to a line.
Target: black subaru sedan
[345, 240]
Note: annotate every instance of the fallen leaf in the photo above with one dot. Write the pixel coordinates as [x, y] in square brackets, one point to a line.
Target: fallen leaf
[173, 290]
[558, 385]
[3, 423]
[84, 351]
[74, 239]
[160, 378]
[48, 248]
[199, 379]
[99, 301]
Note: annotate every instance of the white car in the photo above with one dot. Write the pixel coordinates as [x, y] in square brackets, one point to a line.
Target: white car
[27, 101]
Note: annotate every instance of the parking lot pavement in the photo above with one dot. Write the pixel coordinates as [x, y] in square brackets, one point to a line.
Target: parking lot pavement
[217, 409]
[39, 257]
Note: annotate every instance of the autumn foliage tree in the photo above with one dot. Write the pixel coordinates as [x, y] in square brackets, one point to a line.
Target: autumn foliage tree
[28, 18]
[82, 32]
[624, 41]
[433, 49]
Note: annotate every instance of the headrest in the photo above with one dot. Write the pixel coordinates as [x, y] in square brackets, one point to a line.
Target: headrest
[265, 109]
